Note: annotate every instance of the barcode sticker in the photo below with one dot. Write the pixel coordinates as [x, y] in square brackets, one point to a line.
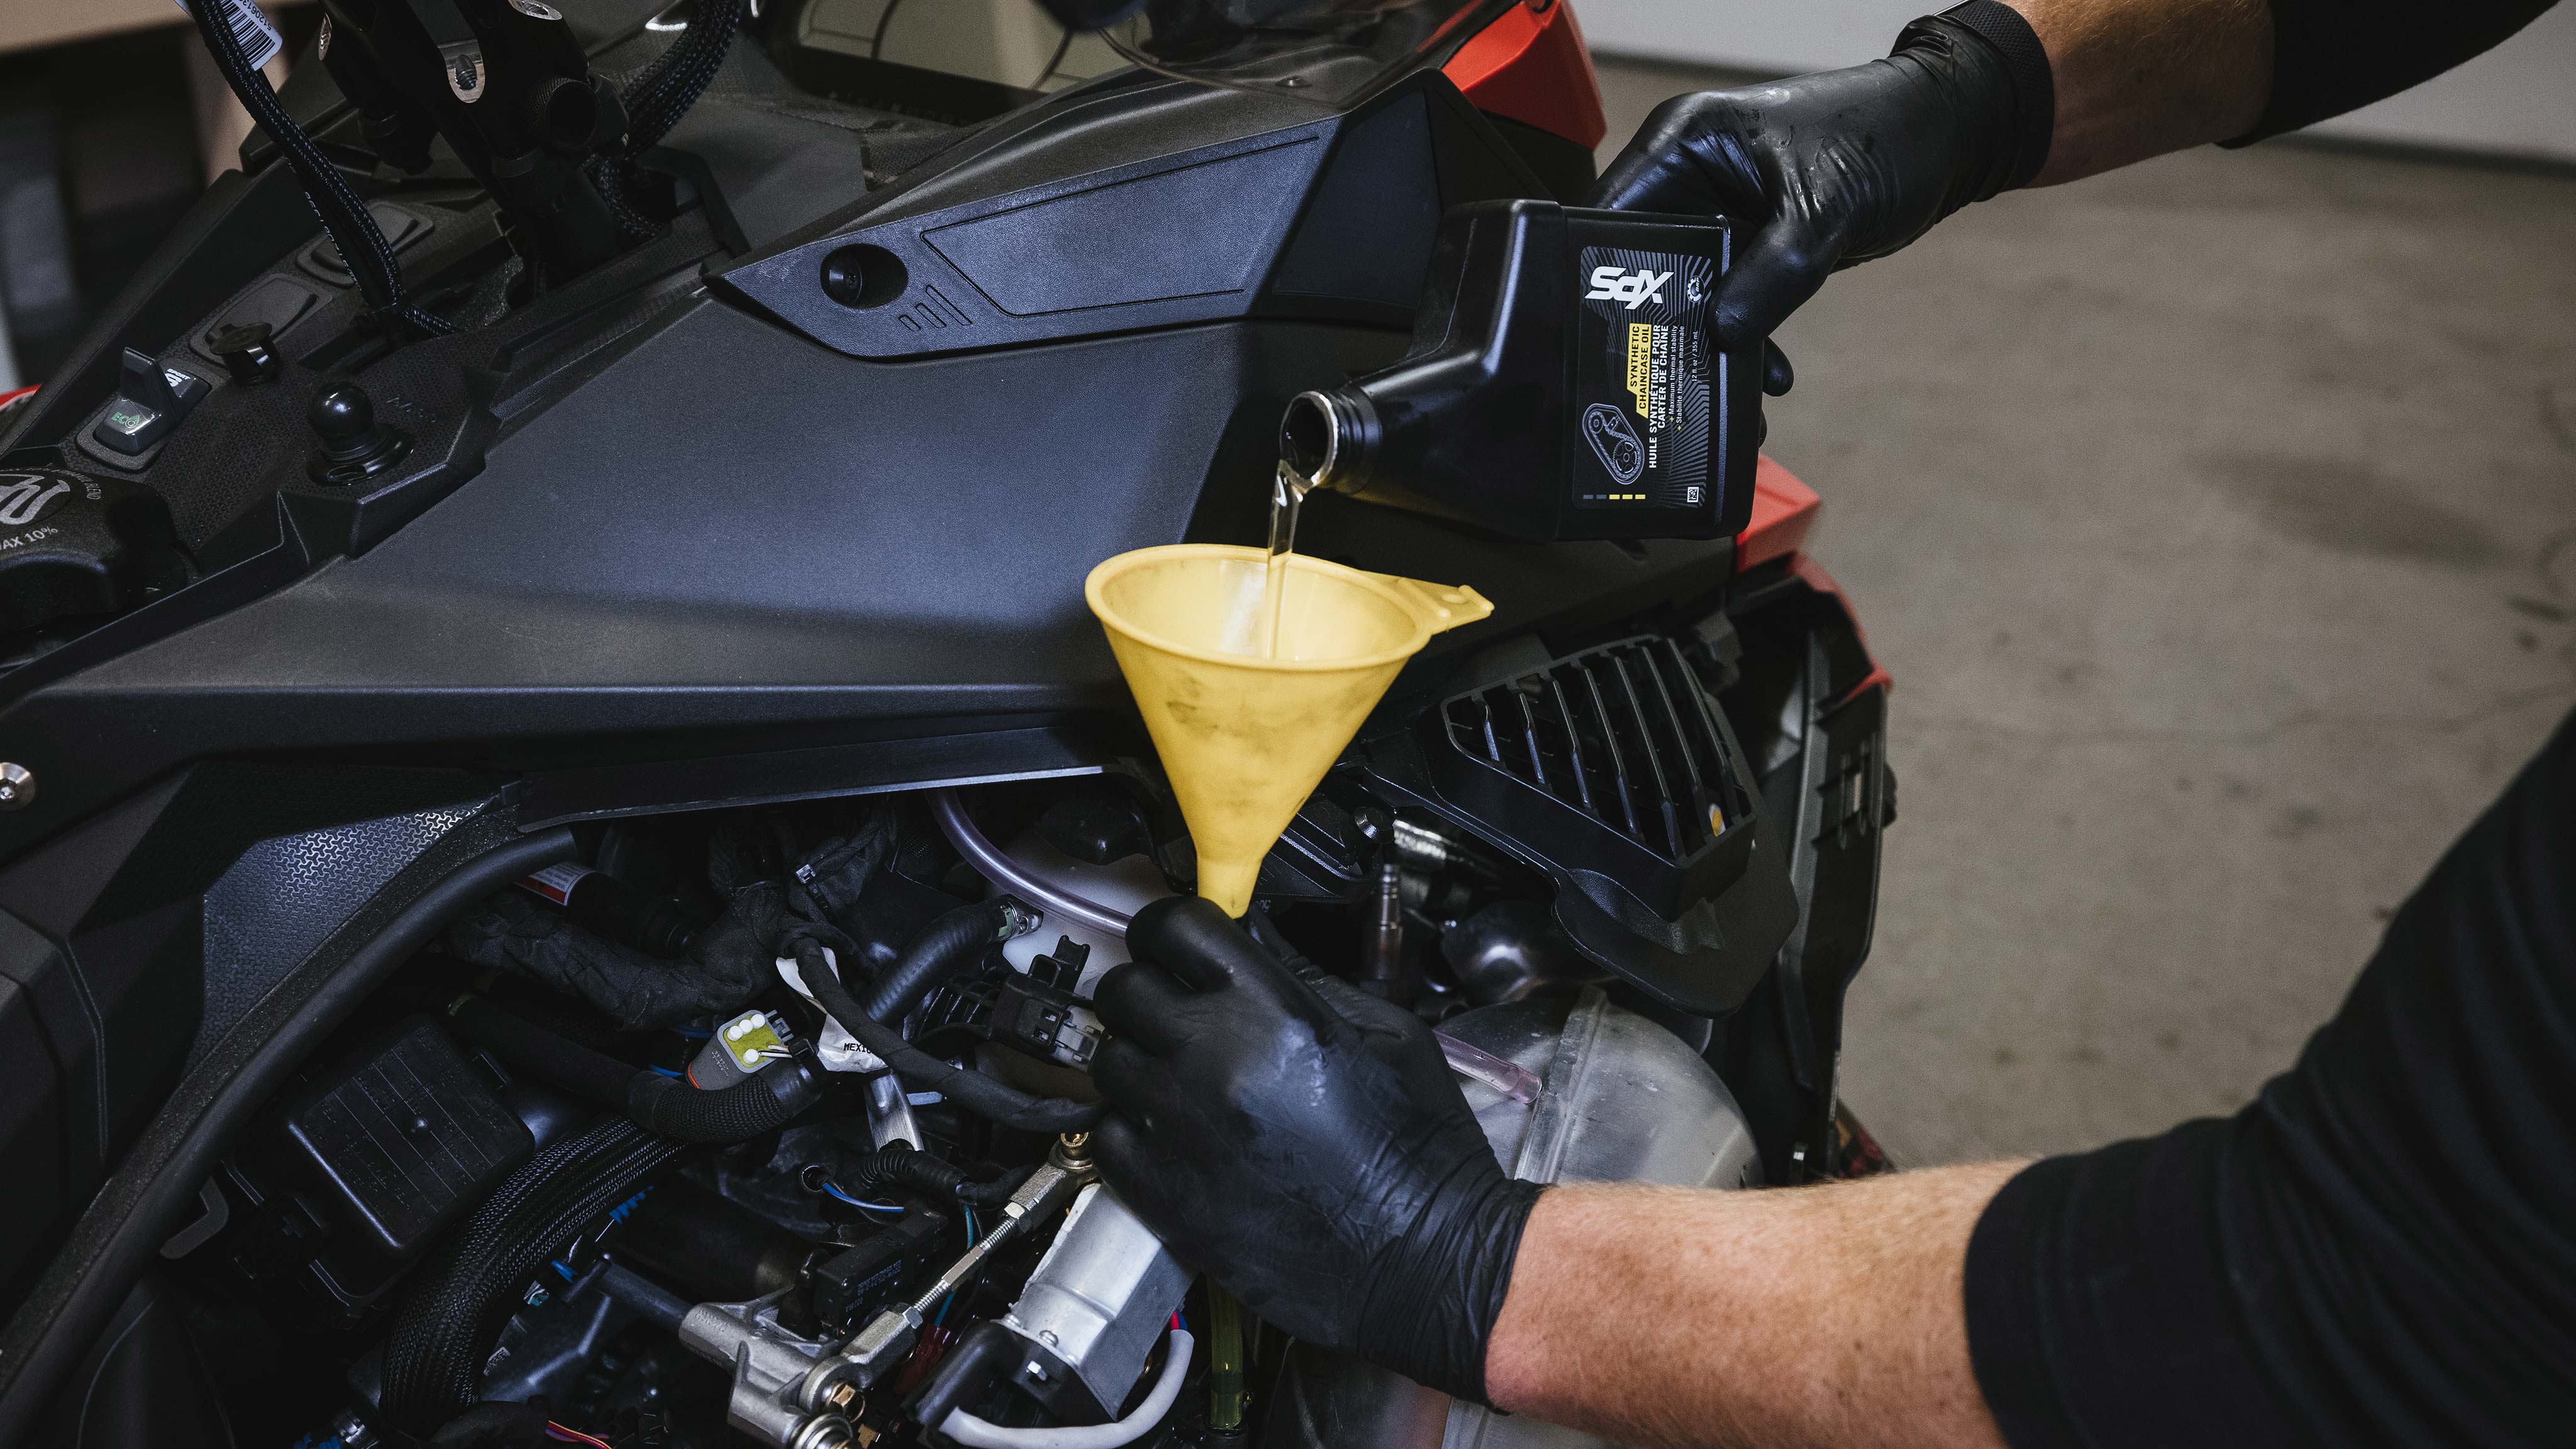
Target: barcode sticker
[259, 39]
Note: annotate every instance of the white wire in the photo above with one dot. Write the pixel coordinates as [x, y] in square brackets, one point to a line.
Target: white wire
[976, 1433]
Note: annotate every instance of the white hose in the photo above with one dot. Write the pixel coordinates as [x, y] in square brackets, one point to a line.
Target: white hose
[976, 1433]
[1009, 875]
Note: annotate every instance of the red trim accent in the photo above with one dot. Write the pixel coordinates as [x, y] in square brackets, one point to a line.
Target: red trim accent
[1532, 66]
[1784, 509]
[15, 393]
[1813, 575]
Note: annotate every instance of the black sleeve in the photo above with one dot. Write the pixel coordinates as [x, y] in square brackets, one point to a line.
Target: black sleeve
[2332, 56]
[2381, 1249]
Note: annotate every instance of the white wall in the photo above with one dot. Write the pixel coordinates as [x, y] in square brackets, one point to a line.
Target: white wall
[2519, 98]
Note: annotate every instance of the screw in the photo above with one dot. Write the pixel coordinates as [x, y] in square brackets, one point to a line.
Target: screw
[17, 786]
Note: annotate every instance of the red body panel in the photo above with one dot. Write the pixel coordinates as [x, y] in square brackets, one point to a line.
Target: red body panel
[1783, 510]
[1531, 66]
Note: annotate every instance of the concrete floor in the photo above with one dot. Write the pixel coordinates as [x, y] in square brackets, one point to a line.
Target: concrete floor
[2217, 519]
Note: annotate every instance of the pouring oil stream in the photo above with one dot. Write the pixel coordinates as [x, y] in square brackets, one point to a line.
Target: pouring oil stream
[1288, 489]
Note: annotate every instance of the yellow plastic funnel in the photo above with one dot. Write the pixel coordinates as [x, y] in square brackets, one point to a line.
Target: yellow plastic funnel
[1245, 739]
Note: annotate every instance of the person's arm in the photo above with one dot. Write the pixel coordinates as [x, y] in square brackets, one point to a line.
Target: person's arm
[1824, 1315]
[1843, 166]
[2137, 78]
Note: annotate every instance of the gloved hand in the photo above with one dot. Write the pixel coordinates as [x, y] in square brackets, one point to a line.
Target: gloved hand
[1305, 1144]
[1847, 165]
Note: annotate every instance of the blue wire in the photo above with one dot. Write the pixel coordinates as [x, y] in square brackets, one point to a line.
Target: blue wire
[834, 1189]
[665, 1071]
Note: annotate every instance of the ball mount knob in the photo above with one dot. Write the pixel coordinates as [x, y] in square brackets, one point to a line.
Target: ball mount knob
[354, 446]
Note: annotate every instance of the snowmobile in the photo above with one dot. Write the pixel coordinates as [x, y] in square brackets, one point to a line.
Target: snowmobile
[560, 807]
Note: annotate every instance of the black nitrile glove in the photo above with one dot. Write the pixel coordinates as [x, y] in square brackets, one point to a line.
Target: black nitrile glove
[1304, 1143]
[1847, 165]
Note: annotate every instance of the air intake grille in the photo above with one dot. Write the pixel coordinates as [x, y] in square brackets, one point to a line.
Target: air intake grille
[1620, 733]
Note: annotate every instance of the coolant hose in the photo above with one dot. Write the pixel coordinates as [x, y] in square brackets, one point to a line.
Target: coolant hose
[945, 947]
[663, 1106]
[454, 1312]
[970, 1089]
[976, 1433]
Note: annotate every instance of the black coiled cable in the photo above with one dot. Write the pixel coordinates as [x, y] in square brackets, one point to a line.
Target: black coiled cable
[362, 246]
[454, 1312]
[657, 99]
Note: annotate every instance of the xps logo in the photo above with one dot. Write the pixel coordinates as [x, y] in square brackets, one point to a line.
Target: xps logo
[1617, 284]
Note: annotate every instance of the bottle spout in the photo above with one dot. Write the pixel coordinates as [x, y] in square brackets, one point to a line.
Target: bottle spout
[1328, 440]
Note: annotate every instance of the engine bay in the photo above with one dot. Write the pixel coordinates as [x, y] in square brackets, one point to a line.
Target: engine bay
[602, 1159]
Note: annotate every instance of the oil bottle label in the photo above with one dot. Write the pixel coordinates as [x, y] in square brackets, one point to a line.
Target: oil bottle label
[1642, 378]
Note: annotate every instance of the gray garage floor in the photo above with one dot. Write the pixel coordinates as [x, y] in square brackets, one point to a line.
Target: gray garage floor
[2217, 519]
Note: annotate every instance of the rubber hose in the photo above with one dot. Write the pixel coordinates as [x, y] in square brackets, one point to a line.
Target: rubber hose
[454, 1312]
[531, 1050]
[766, 1100]
[945, 947]
[899, 1165]
[972, 1090]
[966, 1371]
[977, 1433]
[155, 1188]
[664, 1106]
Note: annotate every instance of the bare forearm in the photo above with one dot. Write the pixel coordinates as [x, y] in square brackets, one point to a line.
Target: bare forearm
[2137, 78]
[1824, 1315]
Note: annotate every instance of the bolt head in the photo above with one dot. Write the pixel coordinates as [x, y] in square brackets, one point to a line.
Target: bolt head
[17, 786]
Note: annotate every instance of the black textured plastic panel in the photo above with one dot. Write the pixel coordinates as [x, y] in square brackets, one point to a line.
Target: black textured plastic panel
[406, 1140]
[285, 896]
[1621, 733]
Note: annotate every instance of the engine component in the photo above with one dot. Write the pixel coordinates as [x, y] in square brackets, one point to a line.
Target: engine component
[610, 907]
[977, 1433]
[770, 1364]
[1094, 1309]
[665, 1106]
[945, 948]
[792, 1391]
[853, 1285]
[1623, 1100]
[1609, 770]
[707, 1245]
[969, 1088]
[453, 1313]
[737, 1051]
[1023, 1012]
[1513, 949]
[72, 545]
[358, 1177]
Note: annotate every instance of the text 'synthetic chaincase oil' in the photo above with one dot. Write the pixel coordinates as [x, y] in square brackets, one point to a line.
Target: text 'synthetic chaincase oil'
[1565, 382]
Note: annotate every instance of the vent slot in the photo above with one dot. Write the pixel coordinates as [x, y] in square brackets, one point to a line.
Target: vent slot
[1621, 733]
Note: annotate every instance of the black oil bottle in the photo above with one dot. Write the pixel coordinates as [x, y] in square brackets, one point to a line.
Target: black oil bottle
[1564, 383]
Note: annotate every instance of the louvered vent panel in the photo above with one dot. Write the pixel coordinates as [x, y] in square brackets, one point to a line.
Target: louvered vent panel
[1620, 732]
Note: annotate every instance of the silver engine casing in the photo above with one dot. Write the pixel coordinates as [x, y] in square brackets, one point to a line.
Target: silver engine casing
[1621, 1100]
